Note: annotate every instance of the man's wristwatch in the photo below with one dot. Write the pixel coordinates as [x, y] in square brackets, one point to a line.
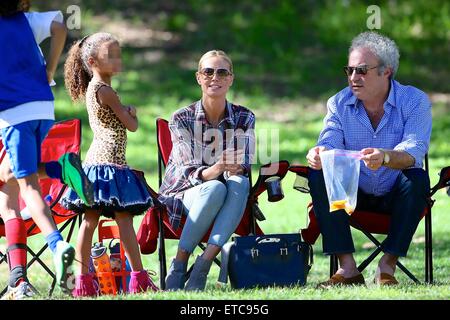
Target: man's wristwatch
[386, 158]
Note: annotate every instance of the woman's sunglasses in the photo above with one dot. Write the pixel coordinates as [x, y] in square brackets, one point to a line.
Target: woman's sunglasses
[209, 72]
[359, 70]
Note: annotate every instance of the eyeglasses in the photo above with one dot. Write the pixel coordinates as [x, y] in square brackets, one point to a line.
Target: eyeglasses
[359, 70]
[221, 73]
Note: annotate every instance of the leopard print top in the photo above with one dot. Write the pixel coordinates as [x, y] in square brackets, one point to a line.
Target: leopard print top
[110, 135]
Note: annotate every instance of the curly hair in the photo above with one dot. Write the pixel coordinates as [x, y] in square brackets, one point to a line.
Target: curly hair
[381, 46]
[77, 72]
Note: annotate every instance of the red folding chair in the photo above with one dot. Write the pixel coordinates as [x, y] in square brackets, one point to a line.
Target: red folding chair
[64, 136]
[155, 227]
[374, 223]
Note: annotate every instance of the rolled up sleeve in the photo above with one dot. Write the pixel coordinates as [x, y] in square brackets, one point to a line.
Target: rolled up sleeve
[417, 131]
[332, 135]
[249, 138]
[184, 153]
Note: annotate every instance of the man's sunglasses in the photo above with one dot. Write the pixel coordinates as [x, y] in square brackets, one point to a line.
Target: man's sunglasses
[359, 70]
[209, 72]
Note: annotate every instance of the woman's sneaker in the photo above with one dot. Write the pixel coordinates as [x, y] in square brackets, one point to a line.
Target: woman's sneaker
[63, 259]
[74, 176]
[23, 291]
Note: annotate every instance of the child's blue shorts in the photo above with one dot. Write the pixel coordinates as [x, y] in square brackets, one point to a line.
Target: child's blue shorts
[23, 145]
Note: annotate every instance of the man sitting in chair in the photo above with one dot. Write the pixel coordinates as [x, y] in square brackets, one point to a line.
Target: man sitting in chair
[391, 126]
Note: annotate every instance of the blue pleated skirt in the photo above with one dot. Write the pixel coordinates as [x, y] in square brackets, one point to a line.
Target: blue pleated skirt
[116, 188]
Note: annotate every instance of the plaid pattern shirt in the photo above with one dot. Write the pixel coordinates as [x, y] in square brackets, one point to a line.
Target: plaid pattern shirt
[405, 125]
[197, 145]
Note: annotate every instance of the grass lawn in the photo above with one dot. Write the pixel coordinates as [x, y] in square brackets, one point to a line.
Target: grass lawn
[297, 131]
[288, 60]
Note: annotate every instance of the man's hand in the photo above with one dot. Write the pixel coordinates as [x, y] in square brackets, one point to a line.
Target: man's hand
[372, 157]
[313, 157]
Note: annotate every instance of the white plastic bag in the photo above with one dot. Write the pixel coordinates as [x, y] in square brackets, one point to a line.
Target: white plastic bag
[341, 175]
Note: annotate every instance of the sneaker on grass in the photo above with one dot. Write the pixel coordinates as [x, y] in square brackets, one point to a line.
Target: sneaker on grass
[63, 259]
[23, 291]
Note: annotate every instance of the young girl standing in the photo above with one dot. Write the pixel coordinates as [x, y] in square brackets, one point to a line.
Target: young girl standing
[118, 191]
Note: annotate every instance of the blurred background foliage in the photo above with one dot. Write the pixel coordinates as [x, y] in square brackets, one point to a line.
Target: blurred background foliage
[282, 48]
[288, 57]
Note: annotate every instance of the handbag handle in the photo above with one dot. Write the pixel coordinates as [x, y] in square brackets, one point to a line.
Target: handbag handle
[269, 239]
[283, 250]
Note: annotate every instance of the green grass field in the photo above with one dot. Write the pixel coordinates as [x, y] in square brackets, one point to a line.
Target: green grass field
[288, 57]
[286, 216]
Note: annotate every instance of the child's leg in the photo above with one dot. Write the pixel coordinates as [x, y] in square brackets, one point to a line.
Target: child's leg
[84, 282]
[63, 252]
[84, 240]
[16, 234]
[128, 237]
[6, 174]
[45, 170]
[31, 195]
[140, 280]
[23, 146]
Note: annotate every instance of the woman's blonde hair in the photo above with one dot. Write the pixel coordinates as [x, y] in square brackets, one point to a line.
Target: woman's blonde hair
[215, 53]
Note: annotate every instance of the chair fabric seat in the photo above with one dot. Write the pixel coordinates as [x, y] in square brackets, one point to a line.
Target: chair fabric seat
[373, 222]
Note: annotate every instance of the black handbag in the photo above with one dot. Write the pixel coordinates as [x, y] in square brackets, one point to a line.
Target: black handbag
[269, 260]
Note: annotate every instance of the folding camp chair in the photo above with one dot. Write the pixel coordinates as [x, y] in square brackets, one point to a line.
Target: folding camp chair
[155, 226]
[373, 223]
[64, 136]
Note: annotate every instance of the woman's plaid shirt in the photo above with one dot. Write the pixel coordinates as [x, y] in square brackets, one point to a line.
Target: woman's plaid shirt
[198, 145]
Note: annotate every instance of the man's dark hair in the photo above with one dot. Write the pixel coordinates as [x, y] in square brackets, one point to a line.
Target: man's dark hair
[9, 7]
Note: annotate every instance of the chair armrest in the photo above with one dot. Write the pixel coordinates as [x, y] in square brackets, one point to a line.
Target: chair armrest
[444, 180]
[268, 170]
[301, 181]
[300, 170]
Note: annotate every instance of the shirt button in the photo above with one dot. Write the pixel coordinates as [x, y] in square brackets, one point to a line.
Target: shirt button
[374, 135]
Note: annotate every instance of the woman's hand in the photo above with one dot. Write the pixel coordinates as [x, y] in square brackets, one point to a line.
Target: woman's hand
[234, 170]
[230, 160]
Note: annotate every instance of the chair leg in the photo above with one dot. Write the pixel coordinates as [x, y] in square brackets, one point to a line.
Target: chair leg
[162, 253]
[2, 257]
[379, 249]
[202, 246]
[428, 249]
[36, 256]
[333, 264]
[369, 259]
